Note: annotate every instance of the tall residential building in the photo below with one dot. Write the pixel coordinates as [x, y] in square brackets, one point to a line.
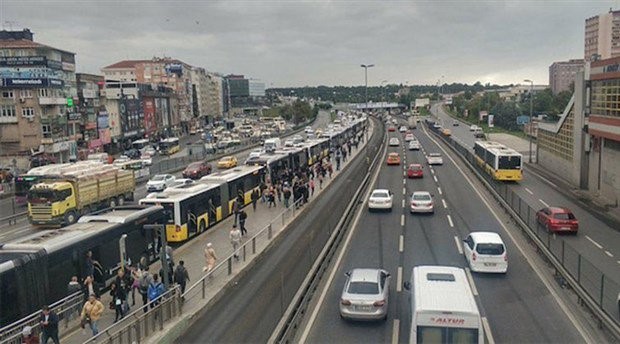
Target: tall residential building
[164, 71]
[602, 36]
[562, 74]
[88, 105]
[37, 90]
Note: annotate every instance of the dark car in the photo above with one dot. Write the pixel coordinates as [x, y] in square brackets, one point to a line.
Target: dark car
[557, 219]
[197, 170]
[132, 153]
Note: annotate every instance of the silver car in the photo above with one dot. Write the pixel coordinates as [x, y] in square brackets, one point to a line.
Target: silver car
[422, 202]
[365, 295]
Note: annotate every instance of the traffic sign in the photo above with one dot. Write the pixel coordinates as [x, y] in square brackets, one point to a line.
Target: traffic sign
[522, 120]
[70, 102]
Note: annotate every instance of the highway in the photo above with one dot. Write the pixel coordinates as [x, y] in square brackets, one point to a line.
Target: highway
[23, 227]
[517, 307]
[597, 241]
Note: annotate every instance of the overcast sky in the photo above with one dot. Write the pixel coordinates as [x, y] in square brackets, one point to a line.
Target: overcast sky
[297, 43]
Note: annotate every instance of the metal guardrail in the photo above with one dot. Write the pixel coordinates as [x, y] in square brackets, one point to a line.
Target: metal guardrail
[12, 219]
[67, 309]
[287, 327]
[596, 290]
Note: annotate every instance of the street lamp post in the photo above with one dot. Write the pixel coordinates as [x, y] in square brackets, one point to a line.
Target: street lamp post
[366, 66]
[531, 111]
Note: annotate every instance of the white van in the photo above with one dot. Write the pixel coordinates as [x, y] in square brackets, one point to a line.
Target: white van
[485, 252]
[271, 145]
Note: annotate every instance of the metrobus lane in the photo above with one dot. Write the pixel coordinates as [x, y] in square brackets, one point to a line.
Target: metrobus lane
[374, 244]
[513, 303]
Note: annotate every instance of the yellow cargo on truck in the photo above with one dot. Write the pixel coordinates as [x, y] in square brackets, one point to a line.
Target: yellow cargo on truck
[62, 201]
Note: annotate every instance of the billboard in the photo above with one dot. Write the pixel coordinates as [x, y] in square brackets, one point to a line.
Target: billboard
[174, 68]
[103, 120]
[31, 83]
[522, 120]
[20, 61]
[490, 122]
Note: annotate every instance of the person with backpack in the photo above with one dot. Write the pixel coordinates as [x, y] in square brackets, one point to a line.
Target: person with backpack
[155, 291]
[255, 196]
[287, 195]
[143, 287]
[181, 276]
[235, 210]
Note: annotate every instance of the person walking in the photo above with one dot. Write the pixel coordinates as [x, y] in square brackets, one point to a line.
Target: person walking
[337, 162]
[321, 181]
[91, 313]
[311, 185]
[242, 217]
[143, 287]
[235, 241]
[119, 297]
[271, 197]
[235, 210]
[156, 290]
[210, 257]
[49, 325]
[181, 276]
[279, 191]
[286, 193]
[73, 286]
[28, 337]
[255, 196]
[90, 287]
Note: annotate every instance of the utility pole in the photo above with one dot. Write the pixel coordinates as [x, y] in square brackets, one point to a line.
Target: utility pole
[366, 66]
[531, 112]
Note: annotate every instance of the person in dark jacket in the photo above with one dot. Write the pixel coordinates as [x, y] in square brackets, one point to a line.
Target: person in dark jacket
[49, 325]
[73, 286]
[119, 297]
[255, 196]
[181, 276]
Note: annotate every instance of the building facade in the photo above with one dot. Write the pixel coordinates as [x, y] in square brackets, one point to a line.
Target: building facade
[602, 36]
[88, 105]
[562, 75]
[37, 91]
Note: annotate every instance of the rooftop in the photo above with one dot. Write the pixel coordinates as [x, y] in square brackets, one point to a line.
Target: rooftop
[26, 44]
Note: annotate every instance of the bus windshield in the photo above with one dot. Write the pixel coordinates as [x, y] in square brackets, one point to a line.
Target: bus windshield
[509, 163]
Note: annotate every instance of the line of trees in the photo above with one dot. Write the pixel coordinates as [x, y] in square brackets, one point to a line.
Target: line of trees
[297, 112]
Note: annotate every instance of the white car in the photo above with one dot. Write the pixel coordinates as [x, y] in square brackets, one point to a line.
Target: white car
[365, 295]
[402, 129]
[147, 160]
[421, 202]
[414, 145]
[288, 143]
[394, 142]
[485, 252]
[159, 182]
[380, 199]
[473, 127]
[308, 130]
[434, 159]
[409, 138]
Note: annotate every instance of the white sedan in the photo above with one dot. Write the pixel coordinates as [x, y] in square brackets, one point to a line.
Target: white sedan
[380, 199]
[394, 142]
[414, 145]
[402, 129]
[422, 202]
[434, 159]
[160, 182]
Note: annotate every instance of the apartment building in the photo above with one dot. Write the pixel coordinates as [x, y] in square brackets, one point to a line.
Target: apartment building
[562, 74]
[602, 36]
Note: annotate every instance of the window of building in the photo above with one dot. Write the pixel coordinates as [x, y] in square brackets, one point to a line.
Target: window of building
[46, 129]
[7, 94]
[561, 143]
[28, 112]
[7, 110]
[25, 93]
[43, 92]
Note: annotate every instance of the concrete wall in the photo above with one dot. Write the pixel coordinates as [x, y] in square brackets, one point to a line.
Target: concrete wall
[610, 174]
[556, 165]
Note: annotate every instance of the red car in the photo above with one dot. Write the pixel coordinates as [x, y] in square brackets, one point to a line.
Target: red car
[393, 159]
[391, 128]
[557, 219]
[415, 171]
[196, 170]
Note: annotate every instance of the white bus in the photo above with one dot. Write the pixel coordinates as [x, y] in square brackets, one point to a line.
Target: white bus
[443, 308]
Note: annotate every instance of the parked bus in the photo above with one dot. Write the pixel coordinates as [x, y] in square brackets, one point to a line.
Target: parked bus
[169, 146]
[35, 269]
[192, 208]
[443, 308]
[499, 161]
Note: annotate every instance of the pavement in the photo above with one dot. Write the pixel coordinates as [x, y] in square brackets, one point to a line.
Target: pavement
[192, 253]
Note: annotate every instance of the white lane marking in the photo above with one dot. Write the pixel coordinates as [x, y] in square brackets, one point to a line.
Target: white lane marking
[399, 279]
[541, 275]
[594, 242]
[402, 219]
[404, 174]
[395, 330]
[445, 205]
[618, 261]
[458, 244]
[401, 243]
[404, 191]
[404, 181]
[609, 254]
[529, 191]
[450, 221]
[403, 203]
[435, 178]
[432, 171]
[487, 330]
[543, 202]
[471, 281]
[439, 189]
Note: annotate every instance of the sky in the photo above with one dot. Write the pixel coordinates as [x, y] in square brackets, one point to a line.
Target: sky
[309, 43]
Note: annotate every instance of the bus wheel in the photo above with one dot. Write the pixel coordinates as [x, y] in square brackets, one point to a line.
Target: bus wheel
[112, 203]
[70, 217]
[201, 226]
[121, 200]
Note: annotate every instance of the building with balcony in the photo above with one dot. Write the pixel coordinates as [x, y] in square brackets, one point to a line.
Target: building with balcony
[562, 75]
[88, 105]
[602, 36]
[37, 89]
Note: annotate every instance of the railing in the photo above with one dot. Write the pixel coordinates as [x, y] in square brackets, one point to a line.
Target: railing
[594, 288]
[67, 309]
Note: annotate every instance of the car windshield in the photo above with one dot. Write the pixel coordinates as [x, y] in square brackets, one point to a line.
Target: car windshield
[491, 249]
[435, 155]
[380, 194]
[421, 197]
[194, 166]
[564, 216]
[159, 177]
[43, 196]
[362, 287]
[414, 167]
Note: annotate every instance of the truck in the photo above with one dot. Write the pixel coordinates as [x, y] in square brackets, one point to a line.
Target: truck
[61, 201]
[271, 145]
[412, 121]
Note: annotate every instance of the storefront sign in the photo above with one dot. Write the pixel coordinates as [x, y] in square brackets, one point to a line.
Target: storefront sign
[31, 83]
[19, 61]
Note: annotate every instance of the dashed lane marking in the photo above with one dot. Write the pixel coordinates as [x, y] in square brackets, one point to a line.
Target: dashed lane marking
[401, 243]
[435, 178]
[403, 203]
[543, 202]
[487, 330]
[609, 254]
[594, 242]
[529, 191]
[445, 205]
[471, 282]
[432, 171]
[402, 219]
[399, 279]
[458, 244]
[439, 189]
[395, 330]
[404, 181]
[450, 220]
[404, 191]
